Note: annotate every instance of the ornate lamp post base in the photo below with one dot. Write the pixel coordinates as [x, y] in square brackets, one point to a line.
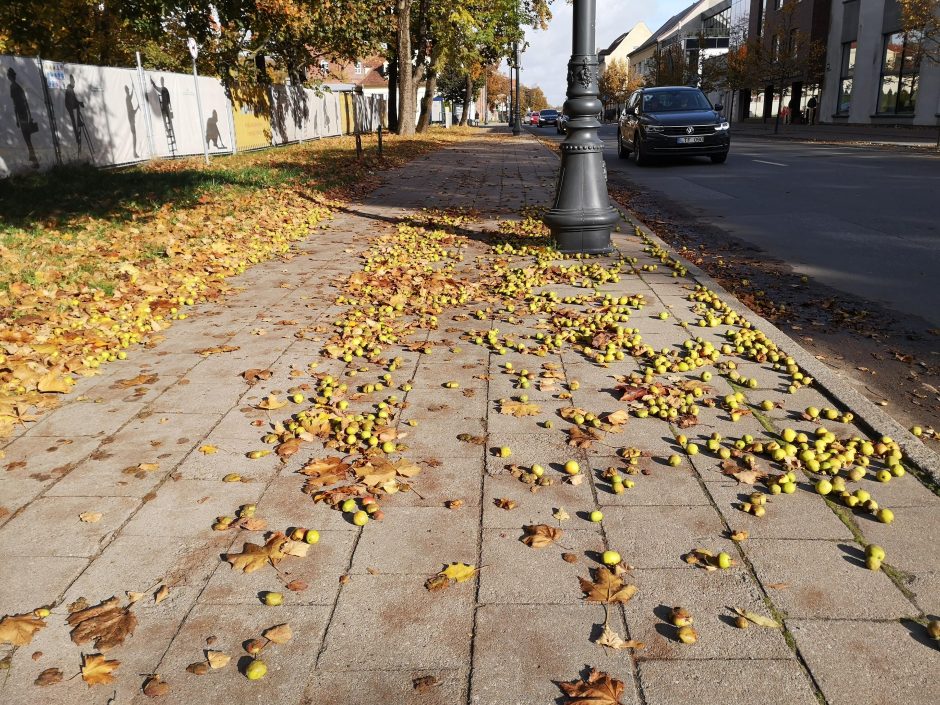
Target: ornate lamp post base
[582, 217]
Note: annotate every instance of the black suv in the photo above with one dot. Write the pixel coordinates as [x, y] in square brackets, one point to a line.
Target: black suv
[672, 120]
[548, 117]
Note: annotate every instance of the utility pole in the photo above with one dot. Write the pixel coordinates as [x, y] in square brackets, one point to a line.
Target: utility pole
[517, 118]
[582, 217]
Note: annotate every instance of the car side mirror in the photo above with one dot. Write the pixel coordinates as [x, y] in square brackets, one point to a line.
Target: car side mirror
[719, 107]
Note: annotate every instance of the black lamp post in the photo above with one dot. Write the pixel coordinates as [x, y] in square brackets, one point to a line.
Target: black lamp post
[517, 118]
[582, 217]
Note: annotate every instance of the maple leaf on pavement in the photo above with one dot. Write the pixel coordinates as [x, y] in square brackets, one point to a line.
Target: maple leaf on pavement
[460, 572]
[18, 629]
[540, 535]
[97, 670]
[607, 588]
[581, 439]
[49, 677]
[598, 688]
[518, 408]
[613, 640]
[254, 556]
[107, 623]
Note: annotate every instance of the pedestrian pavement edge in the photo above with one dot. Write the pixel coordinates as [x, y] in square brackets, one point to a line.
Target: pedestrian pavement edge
[826, 379]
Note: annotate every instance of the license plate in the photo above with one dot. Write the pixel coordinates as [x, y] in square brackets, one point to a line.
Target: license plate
[690, 140]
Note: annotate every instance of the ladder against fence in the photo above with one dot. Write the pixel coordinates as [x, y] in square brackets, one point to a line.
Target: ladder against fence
[58, 113]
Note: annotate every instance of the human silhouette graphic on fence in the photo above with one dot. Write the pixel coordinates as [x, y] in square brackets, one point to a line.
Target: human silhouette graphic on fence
[166, 109]
[131, 115]
[24, 118]
[74, 107]
[213, 136]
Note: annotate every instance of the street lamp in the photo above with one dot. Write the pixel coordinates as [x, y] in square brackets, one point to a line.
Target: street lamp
[582, 217]
[517, 118]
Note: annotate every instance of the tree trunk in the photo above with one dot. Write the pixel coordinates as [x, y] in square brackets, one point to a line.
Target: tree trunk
[427, 103]
[393, 93]
[779, 108]
[406, 91]
[467, 100]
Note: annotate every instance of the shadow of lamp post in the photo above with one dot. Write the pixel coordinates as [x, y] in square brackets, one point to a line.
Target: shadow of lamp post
[582, 217]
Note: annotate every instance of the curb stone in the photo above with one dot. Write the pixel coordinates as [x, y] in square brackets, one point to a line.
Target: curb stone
[826, 380]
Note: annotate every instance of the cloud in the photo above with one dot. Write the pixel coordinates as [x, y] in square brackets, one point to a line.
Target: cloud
[545, 62]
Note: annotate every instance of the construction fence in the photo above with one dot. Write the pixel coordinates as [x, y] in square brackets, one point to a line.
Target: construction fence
[58, 113]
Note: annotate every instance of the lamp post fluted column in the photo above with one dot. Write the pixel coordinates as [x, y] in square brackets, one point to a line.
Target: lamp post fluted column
[517, 118]
[581, 217]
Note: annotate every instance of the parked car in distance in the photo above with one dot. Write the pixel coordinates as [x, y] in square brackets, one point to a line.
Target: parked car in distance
[548, 117]
[672, 120]
[534, 117]
[561, 126]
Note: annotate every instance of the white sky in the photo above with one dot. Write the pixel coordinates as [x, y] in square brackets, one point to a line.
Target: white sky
[545, 63]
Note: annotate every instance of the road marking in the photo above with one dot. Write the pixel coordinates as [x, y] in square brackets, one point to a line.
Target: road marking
[761, 161]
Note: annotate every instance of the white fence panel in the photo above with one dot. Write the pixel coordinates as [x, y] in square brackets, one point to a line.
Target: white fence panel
[26, 139]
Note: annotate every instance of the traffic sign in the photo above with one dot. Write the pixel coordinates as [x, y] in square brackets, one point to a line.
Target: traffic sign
[193, 49]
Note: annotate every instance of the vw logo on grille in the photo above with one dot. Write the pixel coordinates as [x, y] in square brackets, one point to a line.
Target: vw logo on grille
[690, 130]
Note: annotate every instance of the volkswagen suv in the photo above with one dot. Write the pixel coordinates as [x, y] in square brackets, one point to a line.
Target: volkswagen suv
[672, 120]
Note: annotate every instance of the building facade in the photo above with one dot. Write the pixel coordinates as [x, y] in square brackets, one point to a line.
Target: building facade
[874, 74]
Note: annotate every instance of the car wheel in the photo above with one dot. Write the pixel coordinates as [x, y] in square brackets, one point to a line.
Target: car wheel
[639, 153]
[622, 150]
[719, 158]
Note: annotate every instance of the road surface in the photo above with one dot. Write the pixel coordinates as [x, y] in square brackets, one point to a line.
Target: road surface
[862, 221]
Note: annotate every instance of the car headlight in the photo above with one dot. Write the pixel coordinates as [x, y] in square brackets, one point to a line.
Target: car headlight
[653, 128]
[722, 126]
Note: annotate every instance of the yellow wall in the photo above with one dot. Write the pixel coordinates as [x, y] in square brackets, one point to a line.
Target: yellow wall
[251, 131]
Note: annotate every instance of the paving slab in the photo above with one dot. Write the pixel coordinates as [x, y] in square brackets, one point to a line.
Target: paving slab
[414, 687]
[838, 586]
[726, 682]
[408, 627]
[869, 662]
[520, 651]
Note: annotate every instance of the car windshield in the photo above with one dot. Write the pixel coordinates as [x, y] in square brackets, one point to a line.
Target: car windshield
[674, 101]
[549, 112]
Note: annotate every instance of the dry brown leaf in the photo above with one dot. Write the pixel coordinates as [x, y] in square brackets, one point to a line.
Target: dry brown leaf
[560, 514]
[607, 588]
[200, 668]
[216, 350]
[582, 439]
[154, 687]
[161, 594]
[271, 403]
[254, 557]
[613, 640]
[467, 438]
[253, 524]
[133, 597]
[52, 382]
[540, 535]
[437, 583]
[297, 585]
[288, 448]
[617, 418]
[505, 503]
[107, 623]
[279, 633]
[739, 535]
[255, 375]
[598, 688]
[49, 677]
[518, 408]
[569, 557]
[18, 629]
[424, 683]
[137, 381]
[217, 659]
[453, 503]
[756, 618]
[97, 670]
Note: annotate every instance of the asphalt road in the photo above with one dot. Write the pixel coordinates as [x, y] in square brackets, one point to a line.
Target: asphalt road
[861, 221]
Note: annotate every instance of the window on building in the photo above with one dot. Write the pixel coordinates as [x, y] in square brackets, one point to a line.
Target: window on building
[793, 46]
[900, 69]
[846, 74]
[358, 68]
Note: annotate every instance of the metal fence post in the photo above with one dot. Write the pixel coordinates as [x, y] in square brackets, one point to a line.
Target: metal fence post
[145, 107]
[380, 139]
[50, 113]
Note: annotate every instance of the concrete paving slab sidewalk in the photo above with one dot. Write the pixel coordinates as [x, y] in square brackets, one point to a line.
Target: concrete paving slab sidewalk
[364, 627]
